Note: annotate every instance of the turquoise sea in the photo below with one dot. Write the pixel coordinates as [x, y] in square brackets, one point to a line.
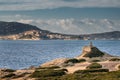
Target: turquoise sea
[22, 54]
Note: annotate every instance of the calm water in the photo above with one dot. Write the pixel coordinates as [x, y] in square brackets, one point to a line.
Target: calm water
[22, 54]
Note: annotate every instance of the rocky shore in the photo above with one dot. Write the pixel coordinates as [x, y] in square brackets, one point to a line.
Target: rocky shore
[90, 60]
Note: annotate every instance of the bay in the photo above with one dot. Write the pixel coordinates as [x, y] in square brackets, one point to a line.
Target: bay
[21, 54]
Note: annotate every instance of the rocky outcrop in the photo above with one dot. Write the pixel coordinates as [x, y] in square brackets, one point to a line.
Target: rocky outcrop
[91, 51]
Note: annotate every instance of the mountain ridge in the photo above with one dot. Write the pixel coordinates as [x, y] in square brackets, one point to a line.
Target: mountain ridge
[16, 31]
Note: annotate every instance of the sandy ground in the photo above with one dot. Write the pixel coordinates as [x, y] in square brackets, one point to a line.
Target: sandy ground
[78, 66]
[112, 66]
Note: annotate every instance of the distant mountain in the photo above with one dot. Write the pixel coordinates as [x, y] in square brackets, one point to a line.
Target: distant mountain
[20, 31]
[9, 28]
[103, 36]
[106, 35]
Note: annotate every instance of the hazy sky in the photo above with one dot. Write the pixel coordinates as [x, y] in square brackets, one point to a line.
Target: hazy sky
[64, 16]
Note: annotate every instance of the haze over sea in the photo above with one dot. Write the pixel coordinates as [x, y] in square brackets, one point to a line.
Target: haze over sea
[22, 54]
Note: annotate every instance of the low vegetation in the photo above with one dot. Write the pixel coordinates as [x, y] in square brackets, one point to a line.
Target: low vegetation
[98, 74]
[56, 73]
[52, 67]
[115, 75]
[47, 73]
[8, 70]
[81, 60]
[91, 71]
[73, 60]
[94, 66]
[114, 59]
[95, 60]
[8, 75]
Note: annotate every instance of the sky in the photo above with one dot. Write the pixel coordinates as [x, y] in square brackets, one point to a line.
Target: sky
[64, 16]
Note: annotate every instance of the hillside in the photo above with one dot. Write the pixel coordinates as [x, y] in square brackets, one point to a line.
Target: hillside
[15, 31]
[106, 35]
[93, 66]
[20, 31]
[9, 28]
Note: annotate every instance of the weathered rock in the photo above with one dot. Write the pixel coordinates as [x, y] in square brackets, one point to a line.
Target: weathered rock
[91, 51]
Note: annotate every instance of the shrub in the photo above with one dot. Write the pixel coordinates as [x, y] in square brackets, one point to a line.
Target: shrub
[64, 70]
[95, 60]
[94, 66]
[81, 60]
[9, 75]
[114, 59]
[75, 60]
[47, 73]
[8, 70]
[72, 60]
[92, 70]
[52, 67]
[102, 74]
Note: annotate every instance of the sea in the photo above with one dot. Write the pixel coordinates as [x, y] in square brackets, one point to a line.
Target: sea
[20, 54]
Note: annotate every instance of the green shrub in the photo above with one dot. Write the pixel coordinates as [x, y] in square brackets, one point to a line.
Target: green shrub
[48, 73]
[72, 60]
[103, 75]
[52, 67]
[114, 75]
[9, 75]
[8, 70]
[114, 59]
[95, 60]
[92, 70]
[81, 60]
[64, 70]
[94, 66]
[75, 60]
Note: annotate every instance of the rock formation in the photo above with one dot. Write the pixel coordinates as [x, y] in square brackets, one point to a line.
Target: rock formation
[92, 51]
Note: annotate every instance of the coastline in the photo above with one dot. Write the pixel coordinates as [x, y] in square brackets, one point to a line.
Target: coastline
[67, 66]
[71, 68]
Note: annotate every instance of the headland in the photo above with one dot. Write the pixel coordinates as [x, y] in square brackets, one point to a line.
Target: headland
[91, 62]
